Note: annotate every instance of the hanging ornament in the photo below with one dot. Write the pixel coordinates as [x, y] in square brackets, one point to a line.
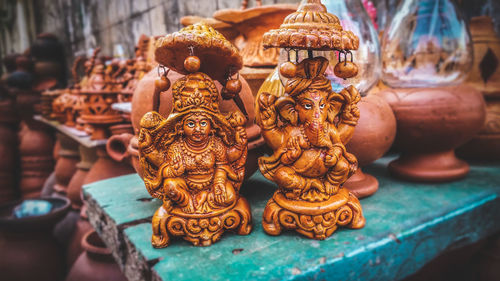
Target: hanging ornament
[345, 69]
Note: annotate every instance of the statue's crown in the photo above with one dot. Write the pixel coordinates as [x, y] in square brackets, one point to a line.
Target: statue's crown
[195, 91]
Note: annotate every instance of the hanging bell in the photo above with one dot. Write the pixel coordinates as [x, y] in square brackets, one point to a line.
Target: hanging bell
[162, 83]
[288, 69]
[232, 88]
[192, 64]
[345, 69]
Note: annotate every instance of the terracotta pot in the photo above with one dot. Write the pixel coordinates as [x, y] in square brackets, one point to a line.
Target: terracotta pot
[66, 163]
[485, 77]
[88, 157]
[105, 168]
[35, 149]
[75, 248]
[96, 263]
[121, 129]
[432, 122]
[29, 250]
[373, 136]
[117, 147]
[142, 102]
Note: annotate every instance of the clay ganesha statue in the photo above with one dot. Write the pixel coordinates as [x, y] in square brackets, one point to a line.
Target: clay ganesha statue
[194, 160]
[307, 128]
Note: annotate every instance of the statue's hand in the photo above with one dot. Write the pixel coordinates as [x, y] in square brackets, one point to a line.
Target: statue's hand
[351, 96]
[293, 149]
[267, 112]
[332, 157]
[177, 164]
[220, 193]
[241, 136]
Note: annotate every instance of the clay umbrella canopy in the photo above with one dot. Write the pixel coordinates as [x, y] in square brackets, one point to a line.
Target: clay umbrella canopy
[183, 52]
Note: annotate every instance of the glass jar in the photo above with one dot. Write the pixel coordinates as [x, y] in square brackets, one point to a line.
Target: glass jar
[426, 44]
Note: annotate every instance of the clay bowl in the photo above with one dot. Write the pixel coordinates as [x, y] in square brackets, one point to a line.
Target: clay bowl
[373, 136]
[431, 123]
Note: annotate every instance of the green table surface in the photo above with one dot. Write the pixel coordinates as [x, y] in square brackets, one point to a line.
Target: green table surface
[407, 225]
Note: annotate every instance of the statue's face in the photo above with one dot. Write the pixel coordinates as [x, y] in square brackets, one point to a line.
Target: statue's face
[312, 107]
[197, 128]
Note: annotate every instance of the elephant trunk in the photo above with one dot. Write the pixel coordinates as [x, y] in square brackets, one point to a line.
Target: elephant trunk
[316, 132]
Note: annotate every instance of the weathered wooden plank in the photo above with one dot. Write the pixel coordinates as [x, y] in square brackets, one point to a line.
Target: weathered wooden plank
[408, 224]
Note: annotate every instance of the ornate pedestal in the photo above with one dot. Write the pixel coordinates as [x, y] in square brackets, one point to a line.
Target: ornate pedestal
[200, 229]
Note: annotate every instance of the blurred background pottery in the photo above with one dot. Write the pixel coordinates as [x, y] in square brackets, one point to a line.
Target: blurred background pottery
[29, 250]
[485, 77]
[425, 66]
[96, 263]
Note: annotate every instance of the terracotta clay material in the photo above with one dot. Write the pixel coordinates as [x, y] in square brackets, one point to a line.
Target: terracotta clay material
[105, 168]
[432, 122]
[8, 152]
[66, 163]
[75, 249]
[88, 157]
[373, 136]
[29, 250]
[194, 160]
[96, 263]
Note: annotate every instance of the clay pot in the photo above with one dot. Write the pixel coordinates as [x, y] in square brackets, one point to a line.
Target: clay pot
[432, 122]
[75, 248]
[373, 136]
[66, 163]
[29, 250]
[485, 77]
[105, 168]
[142, 102]
[88, 157]
[96, 263]
[121, 129]
[37, 163]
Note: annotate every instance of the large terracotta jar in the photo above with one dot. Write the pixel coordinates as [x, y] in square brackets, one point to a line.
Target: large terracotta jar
[37, 163]
[432, 122]
[142, 102]
[485, 77]
[28, 249]
[373, 136]
[96, 263]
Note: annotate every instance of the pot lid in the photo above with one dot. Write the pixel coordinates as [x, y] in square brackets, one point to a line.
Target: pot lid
[311, 27]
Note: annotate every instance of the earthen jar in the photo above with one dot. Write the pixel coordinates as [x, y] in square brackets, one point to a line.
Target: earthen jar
[373, 136]
[431, 123]
[29, 250]
[35, 149]
[105, 168]
[75, 248]
[96, 263]
[65, 168]
[485, 77]
[142, 102]
[88, 157]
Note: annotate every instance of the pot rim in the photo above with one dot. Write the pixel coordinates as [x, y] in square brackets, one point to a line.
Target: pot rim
[91, 247]
[52, 217]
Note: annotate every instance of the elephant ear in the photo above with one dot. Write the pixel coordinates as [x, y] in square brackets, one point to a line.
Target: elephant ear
[335, 100]
[286, 108]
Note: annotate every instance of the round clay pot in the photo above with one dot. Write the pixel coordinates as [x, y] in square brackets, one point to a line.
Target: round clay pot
[75, 248]
[373, 136]
[142, 102]
[432, 122]
[29, 250]
[68, 158]
[96, 263]
[117, 147]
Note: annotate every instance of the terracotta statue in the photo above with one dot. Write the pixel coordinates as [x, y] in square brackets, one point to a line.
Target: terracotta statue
[194, 160]
[307, 128]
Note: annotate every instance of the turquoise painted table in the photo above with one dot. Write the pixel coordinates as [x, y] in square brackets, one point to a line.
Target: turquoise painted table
[408, 225]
